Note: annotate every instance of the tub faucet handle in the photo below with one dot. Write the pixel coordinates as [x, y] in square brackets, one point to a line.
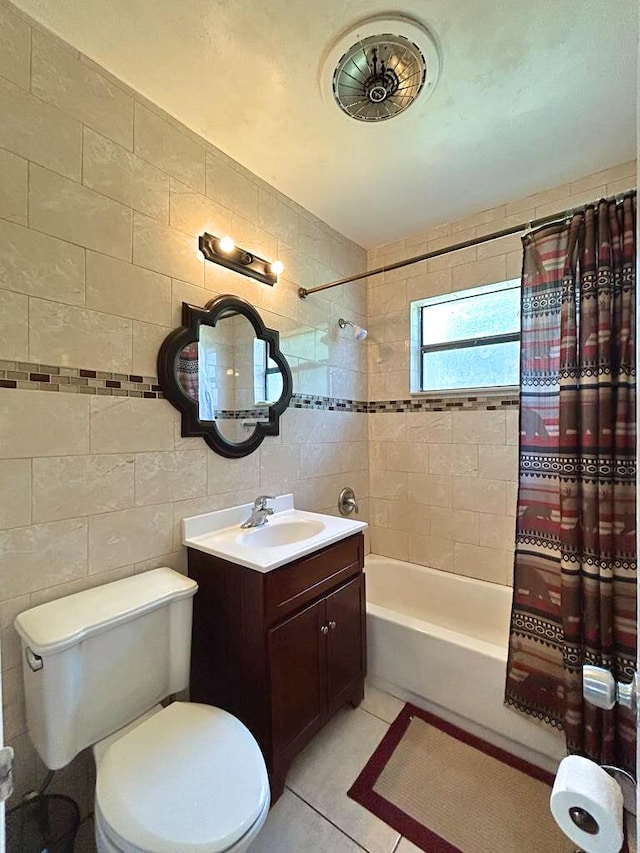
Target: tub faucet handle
[347, 502]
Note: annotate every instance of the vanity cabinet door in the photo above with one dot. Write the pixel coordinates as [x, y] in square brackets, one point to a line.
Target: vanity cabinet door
[298, 666]
[345, 640]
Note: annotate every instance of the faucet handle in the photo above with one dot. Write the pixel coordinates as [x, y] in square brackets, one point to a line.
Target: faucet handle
[261, 502]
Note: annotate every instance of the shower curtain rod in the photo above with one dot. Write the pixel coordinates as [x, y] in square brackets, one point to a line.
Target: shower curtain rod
[303, 292]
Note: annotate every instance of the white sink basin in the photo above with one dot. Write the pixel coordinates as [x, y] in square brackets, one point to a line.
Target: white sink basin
[273, 535]
[287, 535]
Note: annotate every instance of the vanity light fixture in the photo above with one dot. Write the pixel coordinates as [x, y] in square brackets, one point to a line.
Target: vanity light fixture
[223, 251]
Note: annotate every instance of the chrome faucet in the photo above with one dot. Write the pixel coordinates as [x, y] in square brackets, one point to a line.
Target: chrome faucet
[259, 513]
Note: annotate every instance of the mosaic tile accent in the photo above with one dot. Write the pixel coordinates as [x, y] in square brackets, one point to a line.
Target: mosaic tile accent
[25, 376]
[330, 404]
[487, 403]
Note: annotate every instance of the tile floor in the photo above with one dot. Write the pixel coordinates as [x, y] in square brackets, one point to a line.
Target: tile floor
[314, 814]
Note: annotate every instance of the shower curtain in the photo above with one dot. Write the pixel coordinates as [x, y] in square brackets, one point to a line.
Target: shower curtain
[574, 594]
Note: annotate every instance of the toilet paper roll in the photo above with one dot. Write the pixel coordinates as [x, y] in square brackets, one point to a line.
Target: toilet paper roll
[587, 805]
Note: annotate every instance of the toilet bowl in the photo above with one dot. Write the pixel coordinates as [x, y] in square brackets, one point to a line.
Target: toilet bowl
[187, 778]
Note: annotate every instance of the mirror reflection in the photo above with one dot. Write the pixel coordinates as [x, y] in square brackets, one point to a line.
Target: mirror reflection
[229, 372]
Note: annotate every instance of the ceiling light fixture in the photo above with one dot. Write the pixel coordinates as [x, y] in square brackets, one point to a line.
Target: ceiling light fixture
[223, 251]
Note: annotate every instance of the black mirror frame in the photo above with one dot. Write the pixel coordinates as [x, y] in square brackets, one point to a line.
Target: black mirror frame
[174, 343]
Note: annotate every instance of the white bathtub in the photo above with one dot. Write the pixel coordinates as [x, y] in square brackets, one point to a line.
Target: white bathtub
[440, 641]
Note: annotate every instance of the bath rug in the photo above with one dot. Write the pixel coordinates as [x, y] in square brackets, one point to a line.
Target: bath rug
[450, 792]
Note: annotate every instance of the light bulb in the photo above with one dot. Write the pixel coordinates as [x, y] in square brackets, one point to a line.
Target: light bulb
[277, 267]
[226, 245]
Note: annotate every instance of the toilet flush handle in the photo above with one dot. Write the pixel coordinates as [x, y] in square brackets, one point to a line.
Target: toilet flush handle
[35, 661]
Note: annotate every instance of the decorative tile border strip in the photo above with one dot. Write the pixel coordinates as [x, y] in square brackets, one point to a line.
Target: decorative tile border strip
[27, 376]
[487, 403]
[328, 404]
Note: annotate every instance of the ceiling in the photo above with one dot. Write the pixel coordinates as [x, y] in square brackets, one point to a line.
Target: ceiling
[532, 93]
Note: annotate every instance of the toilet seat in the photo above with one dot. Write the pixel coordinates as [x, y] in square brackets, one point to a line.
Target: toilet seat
[188, 779]
[109, 841]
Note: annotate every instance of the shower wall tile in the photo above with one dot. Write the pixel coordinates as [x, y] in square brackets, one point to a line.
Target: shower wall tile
[39, 132]
[168, 148]
[165, 250]
[455, 459]
[14, 325]
[501, 463]
[196, 213]
[479, 495]
[65, 209]
[37, 423]
[231, 188]
[39, 265]
[488, 564]
[432, 551]
[15, 47]
[115, 287]
[61, 79]
[41, 556]
[485, 271]
[15, 492]
[497, 531]
[65, 486]
[121, 538]
[85, 582]
[130, 425]
[147, 340]
[114, 171]
[180, 475]
[13, 186]
[479, 427]
[98, 338]
[11, 648]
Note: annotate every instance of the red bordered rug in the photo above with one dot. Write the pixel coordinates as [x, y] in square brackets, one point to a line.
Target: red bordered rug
[366, 790]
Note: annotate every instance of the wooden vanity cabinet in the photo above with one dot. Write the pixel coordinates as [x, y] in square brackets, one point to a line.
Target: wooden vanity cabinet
[281, 650]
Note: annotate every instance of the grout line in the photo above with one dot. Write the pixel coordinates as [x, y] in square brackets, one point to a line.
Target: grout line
[376, 716]
[327, 819]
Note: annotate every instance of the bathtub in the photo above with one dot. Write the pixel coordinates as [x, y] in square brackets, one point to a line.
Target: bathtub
[439, 640]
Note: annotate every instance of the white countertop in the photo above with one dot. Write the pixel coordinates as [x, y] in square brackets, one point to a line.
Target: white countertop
[219, 533]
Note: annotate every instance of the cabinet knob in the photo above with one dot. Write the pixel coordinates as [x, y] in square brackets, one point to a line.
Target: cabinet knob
[332, 625]
[324, 630]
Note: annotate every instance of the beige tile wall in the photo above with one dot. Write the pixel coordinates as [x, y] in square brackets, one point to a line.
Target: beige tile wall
[102, 197]
[444, 485]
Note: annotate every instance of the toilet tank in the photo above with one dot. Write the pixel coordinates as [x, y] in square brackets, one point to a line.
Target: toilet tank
[94, 661]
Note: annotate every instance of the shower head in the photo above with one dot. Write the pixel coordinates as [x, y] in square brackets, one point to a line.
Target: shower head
[358, 332]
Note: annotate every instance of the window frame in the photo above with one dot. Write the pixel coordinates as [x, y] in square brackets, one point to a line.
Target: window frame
[418, 348]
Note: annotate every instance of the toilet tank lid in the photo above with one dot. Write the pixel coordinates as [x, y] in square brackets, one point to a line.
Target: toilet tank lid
[60, 624]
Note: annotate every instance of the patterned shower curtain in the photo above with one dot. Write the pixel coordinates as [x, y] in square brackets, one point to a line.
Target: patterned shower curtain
[574, 596]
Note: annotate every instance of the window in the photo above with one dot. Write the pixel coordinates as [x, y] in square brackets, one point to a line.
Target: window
[267, 376]
[467, 340]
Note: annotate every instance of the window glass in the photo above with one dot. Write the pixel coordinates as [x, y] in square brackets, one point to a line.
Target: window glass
[482, 366]
[472, 316]
[467, 340]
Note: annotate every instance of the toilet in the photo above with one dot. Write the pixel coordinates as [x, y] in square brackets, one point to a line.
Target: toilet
[178, 778]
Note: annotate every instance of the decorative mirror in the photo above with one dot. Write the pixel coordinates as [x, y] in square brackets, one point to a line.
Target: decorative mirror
[224, 371]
